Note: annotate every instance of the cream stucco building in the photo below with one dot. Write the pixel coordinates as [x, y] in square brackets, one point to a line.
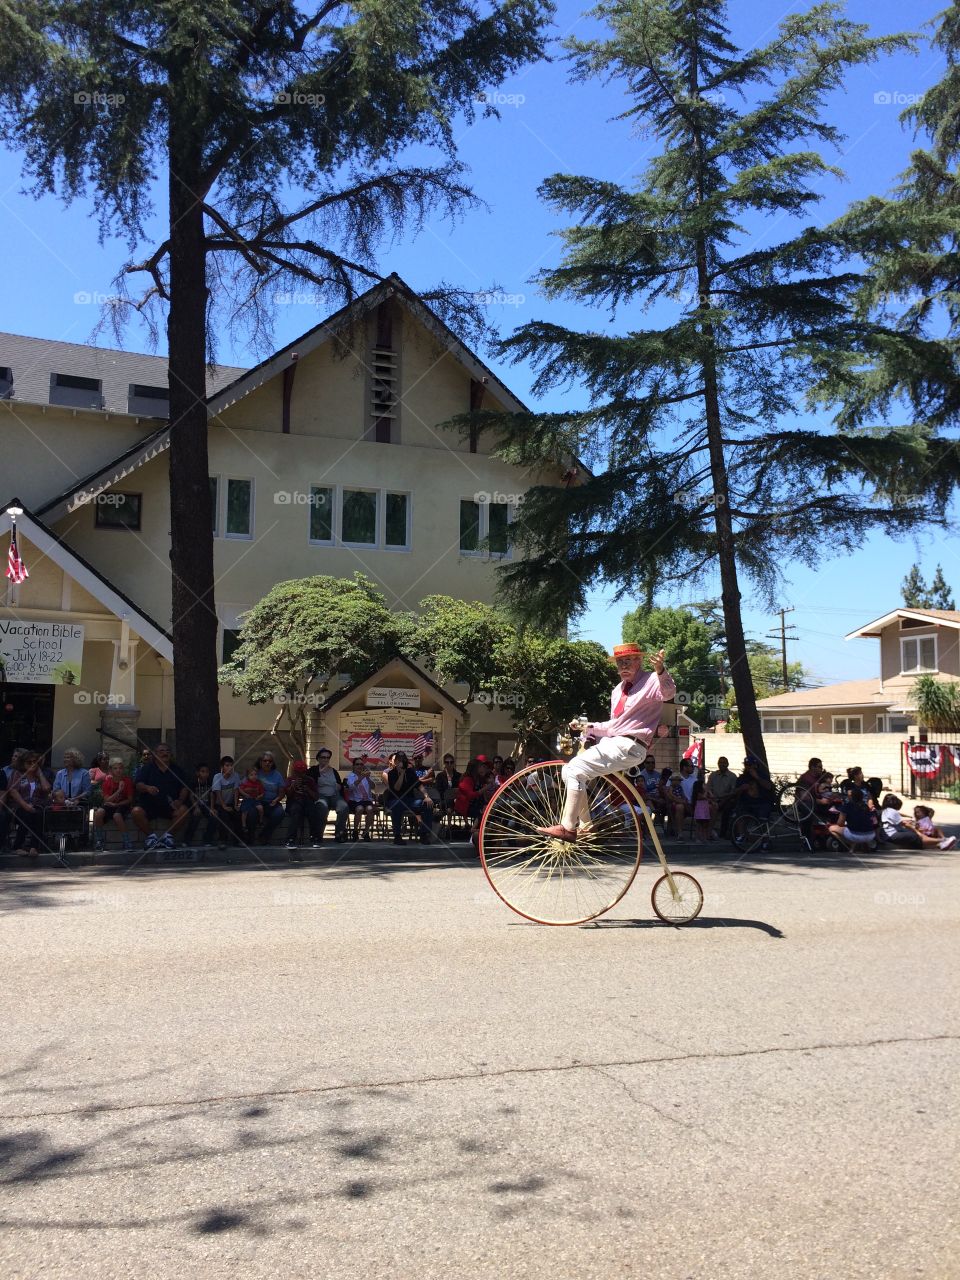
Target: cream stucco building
[325, 458]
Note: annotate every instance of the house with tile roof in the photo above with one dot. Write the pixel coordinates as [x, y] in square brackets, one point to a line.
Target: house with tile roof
[913, 642]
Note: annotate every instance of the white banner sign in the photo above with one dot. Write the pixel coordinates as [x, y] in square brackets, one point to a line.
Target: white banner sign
[393, 697]
[40, 652]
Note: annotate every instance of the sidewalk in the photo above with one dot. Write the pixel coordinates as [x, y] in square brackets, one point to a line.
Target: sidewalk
[946, 815]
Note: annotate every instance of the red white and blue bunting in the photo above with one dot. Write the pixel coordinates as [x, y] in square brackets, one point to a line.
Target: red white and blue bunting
[924, 758]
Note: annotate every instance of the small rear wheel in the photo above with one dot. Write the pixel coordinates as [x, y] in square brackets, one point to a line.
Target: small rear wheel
[679, 904]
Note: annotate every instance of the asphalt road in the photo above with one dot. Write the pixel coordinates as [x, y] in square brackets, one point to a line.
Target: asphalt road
[376, 1070]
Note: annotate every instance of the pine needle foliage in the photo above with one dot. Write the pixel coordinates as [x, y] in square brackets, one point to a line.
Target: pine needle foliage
[911, 242]
[701, 457]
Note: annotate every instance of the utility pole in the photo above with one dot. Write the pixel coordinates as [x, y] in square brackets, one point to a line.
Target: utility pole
[782, 636]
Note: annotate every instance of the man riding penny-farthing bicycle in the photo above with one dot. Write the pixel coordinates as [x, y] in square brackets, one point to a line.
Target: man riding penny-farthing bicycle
[561, 841]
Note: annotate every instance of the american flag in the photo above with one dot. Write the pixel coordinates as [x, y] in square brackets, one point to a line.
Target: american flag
[16, 569]
[694, 753]
[423, 744]
[371, 745]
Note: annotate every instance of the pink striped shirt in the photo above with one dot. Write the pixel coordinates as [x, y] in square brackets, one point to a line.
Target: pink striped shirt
[641, 712]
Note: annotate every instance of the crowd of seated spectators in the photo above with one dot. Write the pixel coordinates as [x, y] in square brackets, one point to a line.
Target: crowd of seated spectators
[855, 811]
[159, 805]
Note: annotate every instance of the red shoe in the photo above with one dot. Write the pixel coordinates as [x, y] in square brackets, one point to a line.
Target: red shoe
[557, 833]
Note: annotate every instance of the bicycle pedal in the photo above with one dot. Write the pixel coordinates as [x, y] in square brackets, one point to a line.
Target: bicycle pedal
[597, 826]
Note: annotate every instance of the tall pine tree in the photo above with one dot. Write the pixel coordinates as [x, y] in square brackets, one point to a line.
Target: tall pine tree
[917, 595]
[700, 461]
[274, 129]
[914, 589]
[912, 287]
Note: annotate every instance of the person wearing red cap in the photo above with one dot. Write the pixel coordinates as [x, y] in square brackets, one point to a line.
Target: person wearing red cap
[617, 744]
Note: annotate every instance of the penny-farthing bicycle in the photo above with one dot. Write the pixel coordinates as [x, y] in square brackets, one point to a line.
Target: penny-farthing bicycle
[561, 882]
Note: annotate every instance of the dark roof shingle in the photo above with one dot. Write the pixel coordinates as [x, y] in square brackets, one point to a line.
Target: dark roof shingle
[33, 360]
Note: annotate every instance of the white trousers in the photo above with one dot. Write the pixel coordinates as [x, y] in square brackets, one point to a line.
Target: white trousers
[608, 755]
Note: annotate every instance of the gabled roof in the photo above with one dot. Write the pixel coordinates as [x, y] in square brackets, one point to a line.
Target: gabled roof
[33, 360]
[308, 342]
[942, 617]
[415, 670]
[230, 384]
[846, 693]
[104, 477]
[111, 597]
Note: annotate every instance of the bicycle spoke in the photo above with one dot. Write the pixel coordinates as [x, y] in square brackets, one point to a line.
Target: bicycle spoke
[551, 880]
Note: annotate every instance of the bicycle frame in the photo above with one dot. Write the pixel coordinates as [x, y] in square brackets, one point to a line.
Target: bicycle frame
[634, 797]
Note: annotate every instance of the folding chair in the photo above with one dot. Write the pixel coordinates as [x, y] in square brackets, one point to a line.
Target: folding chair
[59, 825]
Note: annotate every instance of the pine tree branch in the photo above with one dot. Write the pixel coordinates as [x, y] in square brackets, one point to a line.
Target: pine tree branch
[242, 245]
[152, 265]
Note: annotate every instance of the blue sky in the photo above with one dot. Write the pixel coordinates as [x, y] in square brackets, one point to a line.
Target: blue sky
[52, 254]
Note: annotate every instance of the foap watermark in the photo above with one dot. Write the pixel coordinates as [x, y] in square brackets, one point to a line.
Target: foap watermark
[97, 898]
[299, 898]
[496, 498]
[298, 699]
[97, 698]
[686, 697]
[887, 898]
[698, 499]
[91, 298]
[494, 98]
[494, 698]
[300, 498]
[295, 99]
[94, 98]
[896, 98]
[292, 298]
[499, 298]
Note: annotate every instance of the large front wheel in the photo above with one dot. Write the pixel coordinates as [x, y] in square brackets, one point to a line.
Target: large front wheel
[557, 881]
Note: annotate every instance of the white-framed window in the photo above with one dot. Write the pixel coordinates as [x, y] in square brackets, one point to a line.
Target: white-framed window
[918, 653]
[396, 520]
[358, 517]
[321, 515]
[231, 500]
[848, 724]
[893, 724]
[229, 643]
[238, 508]
[787, 724]
[480, 520]
[378, 519]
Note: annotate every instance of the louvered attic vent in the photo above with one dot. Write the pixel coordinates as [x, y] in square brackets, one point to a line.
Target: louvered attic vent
[384, 385]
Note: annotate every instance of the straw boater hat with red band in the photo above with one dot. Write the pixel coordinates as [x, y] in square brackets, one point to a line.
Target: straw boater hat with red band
[627, 651]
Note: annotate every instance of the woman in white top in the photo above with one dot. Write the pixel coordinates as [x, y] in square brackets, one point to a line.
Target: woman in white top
[360, 798]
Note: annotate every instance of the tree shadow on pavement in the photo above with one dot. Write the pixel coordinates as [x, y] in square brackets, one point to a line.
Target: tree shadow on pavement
[154, 1165]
